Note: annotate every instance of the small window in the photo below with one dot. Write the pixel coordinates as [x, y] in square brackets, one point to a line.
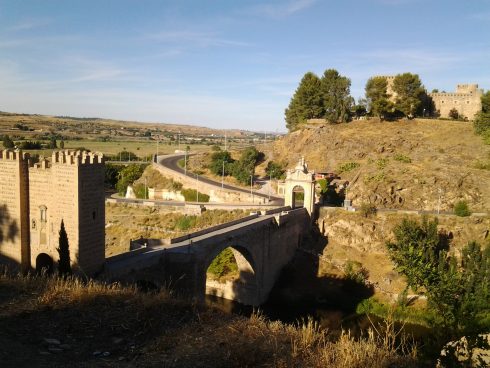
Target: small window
[33, 224]
[43, 214]
[94, 215]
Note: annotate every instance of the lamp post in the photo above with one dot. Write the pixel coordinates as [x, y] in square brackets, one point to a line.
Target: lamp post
[185, 162]
[223, 175]
[197, 188]
[439, 200]
[251, 193]
[270, 183]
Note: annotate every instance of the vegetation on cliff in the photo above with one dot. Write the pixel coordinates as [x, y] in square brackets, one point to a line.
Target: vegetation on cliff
[457, 289]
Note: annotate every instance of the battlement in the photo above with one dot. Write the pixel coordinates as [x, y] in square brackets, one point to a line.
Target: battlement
[68, 157]
[13, 155]
[467, 88]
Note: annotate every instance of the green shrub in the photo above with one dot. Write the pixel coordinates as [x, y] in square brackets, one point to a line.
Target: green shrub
[482, 165]
[382, 163]
[355, 271]
[185, 222]
[461, 209]
[348, 166]
[368, 209]
[402, 158]
[375, 178]
[140, 191]
[190, 195]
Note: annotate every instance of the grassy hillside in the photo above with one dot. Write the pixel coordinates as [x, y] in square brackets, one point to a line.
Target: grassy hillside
[402, 164]
[56, 323]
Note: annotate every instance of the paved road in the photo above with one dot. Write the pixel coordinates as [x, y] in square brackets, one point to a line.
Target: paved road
[171, 163]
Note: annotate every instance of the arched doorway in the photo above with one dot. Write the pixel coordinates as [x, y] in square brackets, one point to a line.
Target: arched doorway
[231, 275]
[44, 264]
[298, 197]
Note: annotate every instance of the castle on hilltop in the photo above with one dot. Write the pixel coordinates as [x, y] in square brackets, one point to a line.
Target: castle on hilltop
[466, 100]
[35, 198]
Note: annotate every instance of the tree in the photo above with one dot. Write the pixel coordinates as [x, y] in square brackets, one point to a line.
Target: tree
[274, 170]
[217, 160]
[453, 114]
[409, 93]
[245, 166]
[481, 124]
[485, 102]
[457, 292]
[64, 267]
[7, 142]
[306, 102]
[127, 176]
[377, 97]
[360, 109]
[461, 209]
[52, 143]
[335, 93]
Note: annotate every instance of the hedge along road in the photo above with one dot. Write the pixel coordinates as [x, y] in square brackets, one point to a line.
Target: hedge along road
[171, 162]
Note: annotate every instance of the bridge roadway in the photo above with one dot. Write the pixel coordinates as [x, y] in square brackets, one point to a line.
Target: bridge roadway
[171, 162]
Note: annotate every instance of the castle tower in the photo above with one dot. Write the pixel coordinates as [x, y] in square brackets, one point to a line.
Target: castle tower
[14, 207]
[466, 100]
[69, 188]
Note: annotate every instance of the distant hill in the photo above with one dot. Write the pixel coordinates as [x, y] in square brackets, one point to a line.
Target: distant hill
[47, 122]
[404, 164]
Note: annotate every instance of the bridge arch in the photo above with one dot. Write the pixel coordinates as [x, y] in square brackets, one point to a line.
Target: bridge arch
[245, 287]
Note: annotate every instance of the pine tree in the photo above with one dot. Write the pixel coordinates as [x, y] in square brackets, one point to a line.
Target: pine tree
[306, 102]
[409, 93]
[7, 142]
[335, 93]
[64, 267]
[378, 98]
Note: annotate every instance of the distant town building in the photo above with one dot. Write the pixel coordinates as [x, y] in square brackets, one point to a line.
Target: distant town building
[466, 100]
[35, 198]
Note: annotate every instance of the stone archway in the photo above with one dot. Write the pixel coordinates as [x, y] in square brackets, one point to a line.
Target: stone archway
[244, 288]
[44, 264]
[302, 178]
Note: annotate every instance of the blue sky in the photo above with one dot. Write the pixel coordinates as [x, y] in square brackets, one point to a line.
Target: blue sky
[224, 63]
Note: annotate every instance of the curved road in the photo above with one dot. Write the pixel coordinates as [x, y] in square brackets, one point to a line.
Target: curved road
[170, 162]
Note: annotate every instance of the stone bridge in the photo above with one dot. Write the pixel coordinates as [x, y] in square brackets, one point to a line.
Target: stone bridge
[262, 244]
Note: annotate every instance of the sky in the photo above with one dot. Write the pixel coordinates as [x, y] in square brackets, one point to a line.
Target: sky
[225, 63]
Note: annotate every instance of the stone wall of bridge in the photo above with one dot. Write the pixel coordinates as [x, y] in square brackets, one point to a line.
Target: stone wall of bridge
[262, 247]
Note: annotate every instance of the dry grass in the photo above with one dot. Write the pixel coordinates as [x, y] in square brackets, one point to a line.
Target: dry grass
[155, 330]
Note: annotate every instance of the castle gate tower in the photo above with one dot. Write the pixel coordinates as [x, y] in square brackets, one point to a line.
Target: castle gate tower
[300, 179]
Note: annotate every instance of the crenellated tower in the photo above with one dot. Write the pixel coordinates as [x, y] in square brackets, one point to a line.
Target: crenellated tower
[14, 207]
[68, 187]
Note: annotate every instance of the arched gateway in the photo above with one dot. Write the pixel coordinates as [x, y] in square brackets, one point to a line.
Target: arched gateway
[304, 179]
